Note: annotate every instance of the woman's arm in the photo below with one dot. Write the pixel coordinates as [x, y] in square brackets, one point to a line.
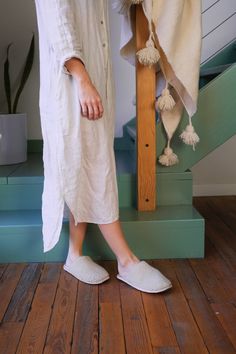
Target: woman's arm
[90, 100]
[65, 42]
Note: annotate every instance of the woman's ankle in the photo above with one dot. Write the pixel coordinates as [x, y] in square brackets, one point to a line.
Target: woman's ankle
[125, 261]
[72, 254]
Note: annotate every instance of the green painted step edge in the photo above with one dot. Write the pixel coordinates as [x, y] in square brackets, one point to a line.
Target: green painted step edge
[36, 145]
[172, 189]
[31, 171]
[14, 218]
[5, 171]
[225, 55]
[214, 70]
[148, 236]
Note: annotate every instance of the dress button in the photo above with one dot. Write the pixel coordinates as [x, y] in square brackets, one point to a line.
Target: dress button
[101, 21]
[104, 44]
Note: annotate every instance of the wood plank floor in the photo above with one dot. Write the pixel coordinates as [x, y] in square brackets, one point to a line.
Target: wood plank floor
[44, 309]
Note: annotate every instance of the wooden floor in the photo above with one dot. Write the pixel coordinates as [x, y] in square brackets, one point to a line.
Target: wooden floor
[44, 309]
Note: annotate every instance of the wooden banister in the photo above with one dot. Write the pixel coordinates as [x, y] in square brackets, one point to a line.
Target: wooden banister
[146, 123]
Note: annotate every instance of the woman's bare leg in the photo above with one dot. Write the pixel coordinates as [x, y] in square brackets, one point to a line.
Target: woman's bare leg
[76, 238]
[115, 238]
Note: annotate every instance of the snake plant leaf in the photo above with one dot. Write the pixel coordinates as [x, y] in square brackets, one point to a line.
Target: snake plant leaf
[26, 72]
[7, 82]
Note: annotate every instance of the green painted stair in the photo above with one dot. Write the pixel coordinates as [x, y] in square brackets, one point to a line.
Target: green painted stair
[167, 233]
[26, 179]
[171, 231]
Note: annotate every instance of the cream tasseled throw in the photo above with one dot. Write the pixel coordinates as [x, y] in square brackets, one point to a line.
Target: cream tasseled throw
[174, 47]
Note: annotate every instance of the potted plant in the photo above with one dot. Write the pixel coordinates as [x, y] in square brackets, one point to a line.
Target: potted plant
[13, 124]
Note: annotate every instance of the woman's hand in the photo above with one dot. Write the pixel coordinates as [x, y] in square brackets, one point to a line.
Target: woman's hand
[90, 100]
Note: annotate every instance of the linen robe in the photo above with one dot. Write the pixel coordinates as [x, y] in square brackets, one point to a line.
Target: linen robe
[78, 153]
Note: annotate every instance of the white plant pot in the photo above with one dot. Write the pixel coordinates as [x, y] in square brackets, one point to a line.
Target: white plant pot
[13, 138]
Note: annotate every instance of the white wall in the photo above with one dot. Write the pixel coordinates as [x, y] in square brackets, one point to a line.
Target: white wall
[218, 25]
[124, 77]
[17, 21]
[215, 174]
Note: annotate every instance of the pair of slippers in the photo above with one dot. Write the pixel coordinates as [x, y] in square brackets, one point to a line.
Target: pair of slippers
[141, 275]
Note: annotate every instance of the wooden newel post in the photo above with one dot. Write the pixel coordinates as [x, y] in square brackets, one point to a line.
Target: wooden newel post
[146, 124]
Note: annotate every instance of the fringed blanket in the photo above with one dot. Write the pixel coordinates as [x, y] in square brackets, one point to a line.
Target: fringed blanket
[174, 47]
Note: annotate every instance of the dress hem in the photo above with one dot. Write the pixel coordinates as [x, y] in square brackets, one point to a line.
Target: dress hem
[91, 221]
[51, 246]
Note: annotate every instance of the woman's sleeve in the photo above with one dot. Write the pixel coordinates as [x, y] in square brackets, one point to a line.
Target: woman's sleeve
[60, 25]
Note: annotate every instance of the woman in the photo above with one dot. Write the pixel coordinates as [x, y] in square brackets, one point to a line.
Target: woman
[77, 118]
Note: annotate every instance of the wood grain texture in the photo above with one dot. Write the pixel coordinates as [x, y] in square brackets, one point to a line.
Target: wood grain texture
[8, 283]
[146, 123]
[35, 330]
[22, 297]
[46, 310]
[61, 323]
[86, 329]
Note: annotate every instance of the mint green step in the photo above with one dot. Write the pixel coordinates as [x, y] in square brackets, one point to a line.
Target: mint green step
[168, 232]
[21, 185]
[214, 71]
[174, 230]
[220, 61]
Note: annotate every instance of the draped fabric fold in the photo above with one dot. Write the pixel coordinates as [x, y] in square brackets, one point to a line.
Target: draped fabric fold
[176, 34]
[78, 153]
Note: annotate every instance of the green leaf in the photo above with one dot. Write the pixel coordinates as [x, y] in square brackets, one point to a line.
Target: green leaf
[26, 72]
[7, 82]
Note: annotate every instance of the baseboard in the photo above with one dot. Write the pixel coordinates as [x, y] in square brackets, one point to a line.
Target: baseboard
[213, 189]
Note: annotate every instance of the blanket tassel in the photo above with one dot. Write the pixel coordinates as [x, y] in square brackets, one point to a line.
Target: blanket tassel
[148, 55]
[165, 102]
[169, 158]
[189, 136]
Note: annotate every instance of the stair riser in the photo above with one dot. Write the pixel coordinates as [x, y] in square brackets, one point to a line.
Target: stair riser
[20, 196]
[172, 189]
[163, 239]
[126, 141]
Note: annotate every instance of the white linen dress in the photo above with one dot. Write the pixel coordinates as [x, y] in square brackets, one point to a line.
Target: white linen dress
[78, 153]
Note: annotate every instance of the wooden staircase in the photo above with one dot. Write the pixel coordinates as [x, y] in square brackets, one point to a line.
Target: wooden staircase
[174, 230]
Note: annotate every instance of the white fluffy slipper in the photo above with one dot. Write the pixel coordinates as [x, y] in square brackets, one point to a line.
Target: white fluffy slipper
[144, 277]
[86, 270]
